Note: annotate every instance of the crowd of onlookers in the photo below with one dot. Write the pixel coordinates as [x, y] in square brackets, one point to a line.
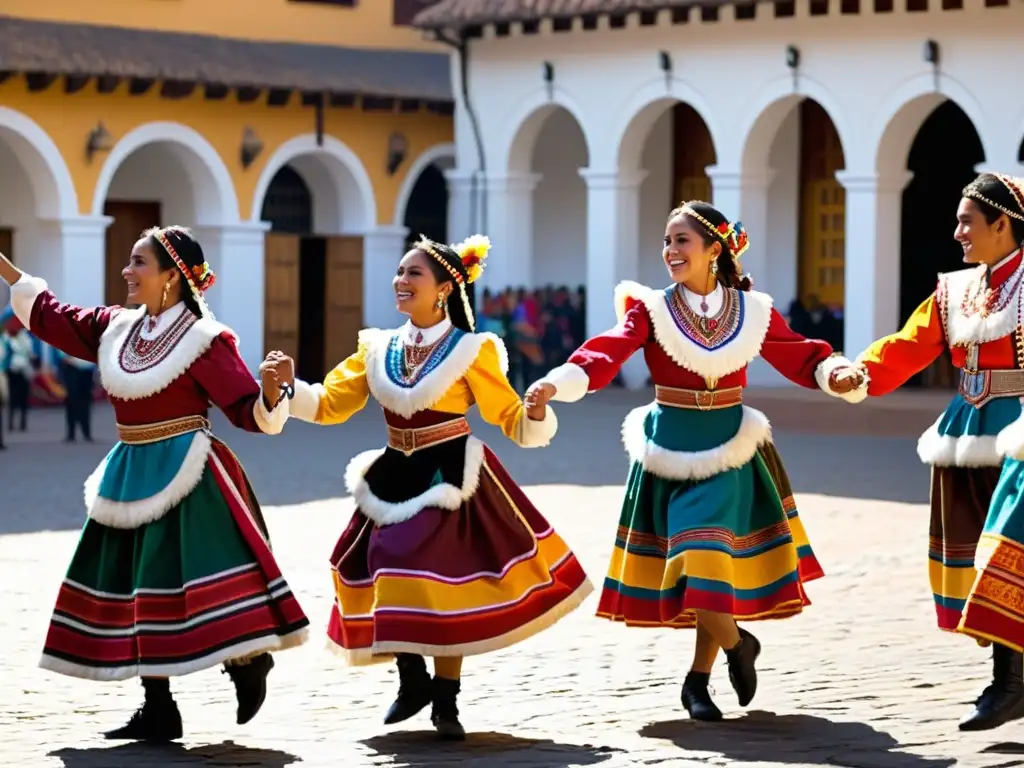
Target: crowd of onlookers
[540, 327]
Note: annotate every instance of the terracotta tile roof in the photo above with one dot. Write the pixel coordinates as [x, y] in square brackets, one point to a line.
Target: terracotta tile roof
[464, 13]
[43, 47]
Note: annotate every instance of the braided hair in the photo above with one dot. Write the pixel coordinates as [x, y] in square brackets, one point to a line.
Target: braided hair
[177, 248]
[714, 227]
[446, 266]
[998, 195]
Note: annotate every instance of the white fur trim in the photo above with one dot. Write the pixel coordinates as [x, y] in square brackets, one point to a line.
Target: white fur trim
[570, 381]
[947, 451]
[270, 422]
[136, 386]
[710, 363]
[444, 495]
[23, 296]
[537, 434]
[754, 431]
[434, 385]
[976, 328]
[306, 403]
[823, 374]
[132, 514]
[1010, 441]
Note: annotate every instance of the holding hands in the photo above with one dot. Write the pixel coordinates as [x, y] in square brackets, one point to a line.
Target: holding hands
[277, 375]
[846, 379]
[536, 399]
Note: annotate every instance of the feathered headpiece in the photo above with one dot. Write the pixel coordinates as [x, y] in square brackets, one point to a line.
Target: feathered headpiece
[473, 253]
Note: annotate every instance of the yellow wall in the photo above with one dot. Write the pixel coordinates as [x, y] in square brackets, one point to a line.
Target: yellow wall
[367, 25]
[69, 119]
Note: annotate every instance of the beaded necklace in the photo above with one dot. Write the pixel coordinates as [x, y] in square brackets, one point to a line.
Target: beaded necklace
[138, 354]
[407, 364]
[984, 300]
[708, 331]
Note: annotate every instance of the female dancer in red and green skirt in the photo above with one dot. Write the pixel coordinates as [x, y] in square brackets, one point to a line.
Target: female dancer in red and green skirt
[173, 571]
[709, 533]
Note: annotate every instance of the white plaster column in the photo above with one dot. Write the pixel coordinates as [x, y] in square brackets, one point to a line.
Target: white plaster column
[463, 204]
[613, 250]
[383, 247]
[72, 258]
[872, 274]
[235, 252]
[510, 219]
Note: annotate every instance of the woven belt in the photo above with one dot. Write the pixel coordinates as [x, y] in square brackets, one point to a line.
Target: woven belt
[408, 441]
[980, 387]
[141, 434]
[698, 399]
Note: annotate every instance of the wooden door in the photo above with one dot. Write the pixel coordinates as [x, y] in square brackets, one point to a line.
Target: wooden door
[343, 318]
[822, 208]
[693, 151]
[281, 293]
[131, 218]
[7, 242]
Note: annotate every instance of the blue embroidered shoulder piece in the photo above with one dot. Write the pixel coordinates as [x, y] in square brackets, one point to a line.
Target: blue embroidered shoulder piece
[395, 359]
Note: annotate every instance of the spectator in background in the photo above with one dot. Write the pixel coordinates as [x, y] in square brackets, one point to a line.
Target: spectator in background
[78, 377]
[19, 367]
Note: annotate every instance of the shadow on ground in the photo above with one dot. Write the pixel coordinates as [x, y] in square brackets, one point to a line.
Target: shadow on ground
[793, 739]
[136, 755]
[421, 749]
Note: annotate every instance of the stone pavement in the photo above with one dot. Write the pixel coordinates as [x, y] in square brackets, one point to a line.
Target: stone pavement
[861, 679]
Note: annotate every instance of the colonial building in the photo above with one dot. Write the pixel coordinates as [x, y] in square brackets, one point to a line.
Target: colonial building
[302, 139]
[839, 131]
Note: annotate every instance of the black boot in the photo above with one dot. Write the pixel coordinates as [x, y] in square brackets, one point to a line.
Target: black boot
[414, 692]
[742, 673]
[1003, 699]
[697, 698]
[250, 681]
[445, 713]
[157, 719]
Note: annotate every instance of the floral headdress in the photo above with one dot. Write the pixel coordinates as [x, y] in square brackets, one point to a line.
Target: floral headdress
[732, 234]
[471, 252]
[199, 278]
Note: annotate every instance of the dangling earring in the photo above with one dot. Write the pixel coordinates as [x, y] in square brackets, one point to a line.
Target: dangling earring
[440, 302]
[714, 267]
[163, 301]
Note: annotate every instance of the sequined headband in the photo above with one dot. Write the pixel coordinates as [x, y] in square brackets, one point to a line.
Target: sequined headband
[1012, 185]
[199, 278]
[429, 247]
[732, 234]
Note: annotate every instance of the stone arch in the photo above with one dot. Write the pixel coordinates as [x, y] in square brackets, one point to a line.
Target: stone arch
[904, 111]
[527, 121]
[52, 185]
[214, 201]
[427, 158]
[637, 115]
[773, 104]
[343, 197]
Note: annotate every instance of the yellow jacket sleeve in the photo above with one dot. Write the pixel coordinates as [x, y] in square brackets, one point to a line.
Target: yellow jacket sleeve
[892, 360]
[500, 405]
[344, 391]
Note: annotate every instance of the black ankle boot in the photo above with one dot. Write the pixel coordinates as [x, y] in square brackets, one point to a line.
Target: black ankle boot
[250, 681]
[445, 712]
[1003, 699]
[742, 673]
[157, 719]
[697, 698]
[414, 690]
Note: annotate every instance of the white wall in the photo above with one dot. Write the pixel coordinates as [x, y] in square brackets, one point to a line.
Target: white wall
[655, 200]
[152, 174]
[18, 212]
[559, 204]
[783, 225]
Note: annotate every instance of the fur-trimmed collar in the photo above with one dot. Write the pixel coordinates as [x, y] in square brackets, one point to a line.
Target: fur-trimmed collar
[729, 357]
[405, 401]
[962, 329]
[136, 386]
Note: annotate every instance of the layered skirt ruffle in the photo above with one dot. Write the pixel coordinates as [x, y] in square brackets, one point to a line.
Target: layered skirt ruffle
[445, 556]
[194, 588]
[722, 533]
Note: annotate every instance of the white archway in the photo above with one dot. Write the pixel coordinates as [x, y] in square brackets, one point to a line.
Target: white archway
[774, 103]
[900, 117]
[213, 198]
[636, 117]
[52, 187]
[439, 153]
[343, 197]
[523, 124]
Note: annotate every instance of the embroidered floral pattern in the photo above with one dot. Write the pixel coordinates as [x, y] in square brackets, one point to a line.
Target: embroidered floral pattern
[138, 354]
[980, 299]
[708, 332]
[396, 362]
